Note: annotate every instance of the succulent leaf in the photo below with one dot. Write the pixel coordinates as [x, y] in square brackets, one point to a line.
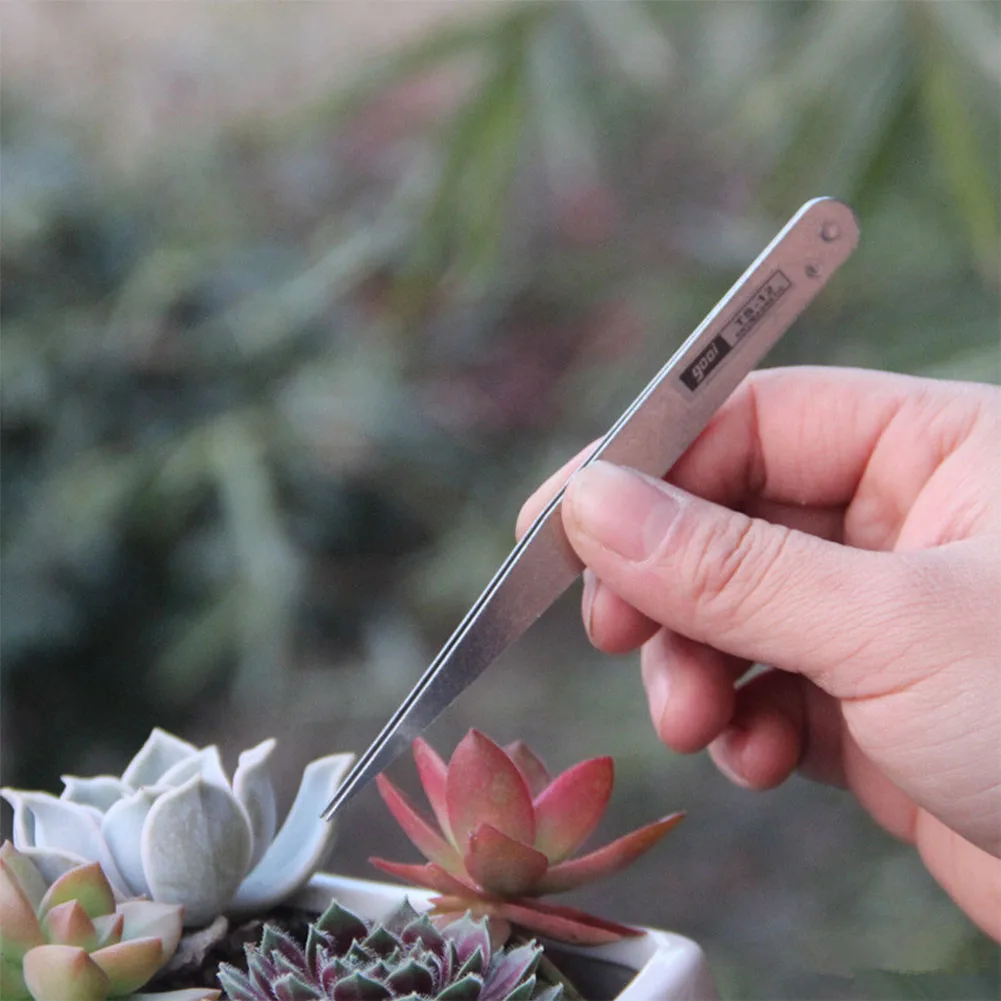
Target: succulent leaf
[67, 924]
[502, 865]
[122, 828]
[64, 973]
[529, 764]
[130, 964]
[301, 844]
[253, 787]
[41, 820]
[607, 860]
[205, 762]
[51, 863]
[571, 806]
[86, 884]
[485, 786]
[432, 772]
[152, 919]
[27, 877]
[161, 752]
[99, 791]
[109, 928]
[431, 876]
[428, 841]
[19, 927]
[195, 848]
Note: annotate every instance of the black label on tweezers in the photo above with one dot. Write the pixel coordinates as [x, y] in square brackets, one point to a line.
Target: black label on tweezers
[711, 356]
[771, 290]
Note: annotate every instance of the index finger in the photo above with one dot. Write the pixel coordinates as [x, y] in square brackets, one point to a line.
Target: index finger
[801, 436]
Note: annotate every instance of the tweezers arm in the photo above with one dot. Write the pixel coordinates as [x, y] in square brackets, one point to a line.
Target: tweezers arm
[650, 436]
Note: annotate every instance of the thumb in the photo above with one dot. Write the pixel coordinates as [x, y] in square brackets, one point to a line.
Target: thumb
[760, 591]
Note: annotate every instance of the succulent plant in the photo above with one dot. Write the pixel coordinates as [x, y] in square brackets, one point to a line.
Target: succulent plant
[406, 956]
[506, 834]
[68, 940]
[174, 829]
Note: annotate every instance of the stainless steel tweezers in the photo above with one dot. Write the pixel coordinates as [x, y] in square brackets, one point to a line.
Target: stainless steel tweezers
[650, 436]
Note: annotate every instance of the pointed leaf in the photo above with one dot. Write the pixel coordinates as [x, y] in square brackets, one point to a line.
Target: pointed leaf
[100, 791]
[108, 929]
[19, 927]
[471, 938]
[150, 919]
[25, 873]
[411, 977]
[195, 849]
[237, 984]
[161, 751]
[58, 972]
[87, 884]
[431, 876]
[565, 924]
[607, 860]
[130, 964]
[569, 808]
[510, 968]
[427, 840]
[51, 863]
[485, 787]
[469, 987]
[43, 821]
[433, 771]
[24, 819]
[358, 987]
[255, 790]
[502, 865]
[67, 924]
[529, 764]
[122, 831]
[293, 988]
[302, 843]
[206, 763]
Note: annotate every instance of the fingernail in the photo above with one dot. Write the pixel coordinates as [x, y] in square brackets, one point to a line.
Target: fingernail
[587, 599]
[620, 509]
[725, 752]
[658, 691]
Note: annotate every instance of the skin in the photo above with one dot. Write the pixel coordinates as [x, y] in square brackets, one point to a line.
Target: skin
[844, 528]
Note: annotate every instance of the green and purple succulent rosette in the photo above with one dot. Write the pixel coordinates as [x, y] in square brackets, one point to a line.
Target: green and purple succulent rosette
[69, 940]
[406, 956]
[173, 828]
[506, 833]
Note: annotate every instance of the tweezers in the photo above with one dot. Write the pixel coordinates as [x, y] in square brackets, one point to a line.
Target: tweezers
[650, 436]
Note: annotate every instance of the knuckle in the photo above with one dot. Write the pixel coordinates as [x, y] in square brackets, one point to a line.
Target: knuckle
[732, 562]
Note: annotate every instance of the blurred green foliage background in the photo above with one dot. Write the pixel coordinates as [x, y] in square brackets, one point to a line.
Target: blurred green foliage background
[272, 392]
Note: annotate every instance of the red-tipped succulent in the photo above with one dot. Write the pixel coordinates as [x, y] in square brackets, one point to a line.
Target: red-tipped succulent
[506, 832]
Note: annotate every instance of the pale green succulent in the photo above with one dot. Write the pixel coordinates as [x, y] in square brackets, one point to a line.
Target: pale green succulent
[68, 940]
[173, 827]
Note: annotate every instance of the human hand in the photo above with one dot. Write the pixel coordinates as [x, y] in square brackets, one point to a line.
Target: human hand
[843, 527]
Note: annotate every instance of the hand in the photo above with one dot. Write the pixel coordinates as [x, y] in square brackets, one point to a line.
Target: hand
[843, 527]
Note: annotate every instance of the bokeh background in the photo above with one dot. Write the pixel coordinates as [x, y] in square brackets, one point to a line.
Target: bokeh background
[301, 300]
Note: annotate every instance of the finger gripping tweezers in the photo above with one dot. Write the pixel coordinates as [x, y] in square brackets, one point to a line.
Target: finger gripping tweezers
[650, 436]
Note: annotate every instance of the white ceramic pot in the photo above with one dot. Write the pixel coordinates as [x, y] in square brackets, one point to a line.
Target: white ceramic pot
[664, 966]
